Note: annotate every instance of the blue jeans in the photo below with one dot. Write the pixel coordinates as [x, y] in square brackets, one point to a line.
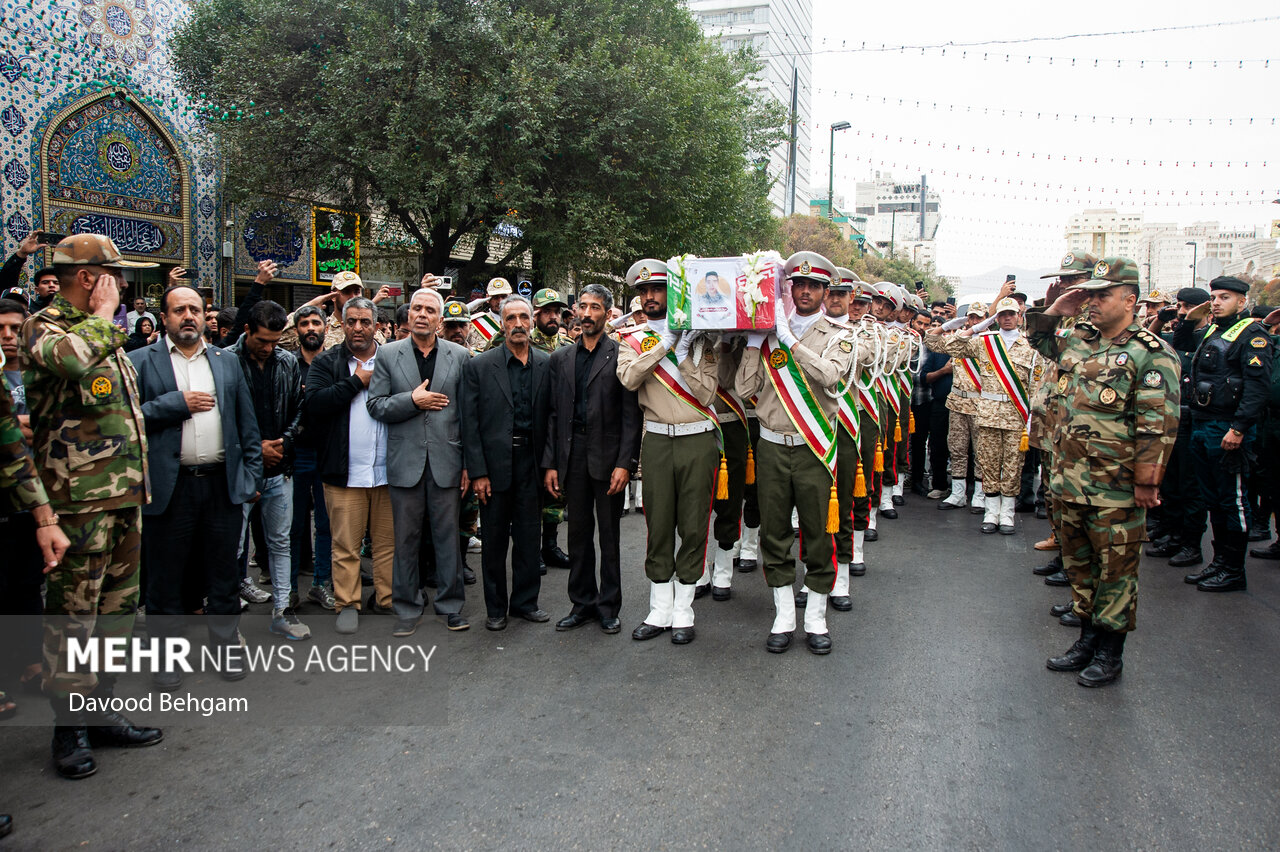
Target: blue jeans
[308, 497]
[276, 506]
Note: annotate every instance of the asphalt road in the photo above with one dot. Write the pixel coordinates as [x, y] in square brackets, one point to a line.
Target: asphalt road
[933, 725]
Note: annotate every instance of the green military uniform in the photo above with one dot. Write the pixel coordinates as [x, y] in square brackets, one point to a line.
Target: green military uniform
[1116, 423]
[18, 477]
[734, 429]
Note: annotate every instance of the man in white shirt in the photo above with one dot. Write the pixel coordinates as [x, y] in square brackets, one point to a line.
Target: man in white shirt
[139, 311]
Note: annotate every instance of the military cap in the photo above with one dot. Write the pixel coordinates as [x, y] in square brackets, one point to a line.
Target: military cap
[1019, 296]
[890, 292]
[547, 296]
[635, 304]
[498, 287]
[863, 292]
[1008, 303]
[1193, 296]
[345, 280]
[976, 309]
[456, 311]
[1109, 272]
[93, 250]
[1229, 282]
[647, 271]
[810, 265]
[1075, 263]
[846, 280]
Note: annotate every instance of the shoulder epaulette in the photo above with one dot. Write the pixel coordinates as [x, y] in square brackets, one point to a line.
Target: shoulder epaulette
[1148, 339]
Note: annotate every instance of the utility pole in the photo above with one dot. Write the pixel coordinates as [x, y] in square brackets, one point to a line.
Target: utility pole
[893, 228]
[831, 169]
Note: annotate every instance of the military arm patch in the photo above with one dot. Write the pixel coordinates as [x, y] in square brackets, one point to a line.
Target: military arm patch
[1152, 379]
[846, 346]
[1258, 343]
[1255, 361]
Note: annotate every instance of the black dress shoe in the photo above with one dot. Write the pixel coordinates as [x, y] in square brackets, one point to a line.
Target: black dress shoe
[574, 620]
[554, 557]
[1260, 534]
[682, 635]
[1022, 508]
[1224, 581]
[1272, 552]
[1162, 548]
[857, 569]
[802, 597]
[166, 681]
[746, 566]
[820, 643]
[1108, 660]
[701, 591]
[977, 510]
[499, 623]
[1186, 557]
[457, 622]
[842, 603]
[1204, 573]
[989, 527]
[1069, 619]
[109, 728]
[1052, 567]
[72, 756]
[648, 631]
[537, 616]
[898, 500]
[610, 625]
[777, 642]
[891, 514]
[468, 576]
[1007, 529]
[871, 535]
[721, 594]
[1059, 579]
[1079, 655]
[1058, 610]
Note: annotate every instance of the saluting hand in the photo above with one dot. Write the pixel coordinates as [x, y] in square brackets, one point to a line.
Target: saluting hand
[104, 298]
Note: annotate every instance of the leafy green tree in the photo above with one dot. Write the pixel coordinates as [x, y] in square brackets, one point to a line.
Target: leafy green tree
[802, 232]
[590, 132]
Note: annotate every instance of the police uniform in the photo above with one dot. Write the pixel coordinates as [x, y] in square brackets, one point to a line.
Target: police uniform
[789, 472]
[680, 455]
[1117, 418]
[1230, 385]
[90, 446]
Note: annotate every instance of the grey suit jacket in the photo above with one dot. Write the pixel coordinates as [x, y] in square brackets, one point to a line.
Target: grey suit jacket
[165, 409]
[417, 438]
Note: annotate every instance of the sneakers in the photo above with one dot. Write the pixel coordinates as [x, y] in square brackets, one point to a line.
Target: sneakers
[285, 623]
[322, 595]
[250, 593]
[405, 627]
[474, 545]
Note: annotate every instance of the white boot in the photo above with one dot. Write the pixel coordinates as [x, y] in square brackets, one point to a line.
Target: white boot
[871, 521]
[956, 499]
[1006, 515]
[815, 623]
[750, 553]
[886, 498]
[682, 614]
[626, 499]
[784, 607]
[722, 574]
[858, 567]
[705, 579]
[661, 603]
[840, 599]
[897, 488]
[637, 497]
[978, 496]
[991, 517]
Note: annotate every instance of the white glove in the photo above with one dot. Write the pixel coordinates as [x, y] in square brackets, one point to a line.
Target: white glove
[952, 325]
[659, 327]
[682, 348]
[755, 339]
[984, 325]
[785, 336]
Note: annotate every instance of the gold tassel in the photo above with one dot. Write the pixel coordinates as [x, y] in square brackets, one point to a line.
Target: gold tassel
[897, 432]
[1024, 444]
[911, 423]
[860, 484]
[722, 483]
[751, 466]
[833, 510]
[879, 468]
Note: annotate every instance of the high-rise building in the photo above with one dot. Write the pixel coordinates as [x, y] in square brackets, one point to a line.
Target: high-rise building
[781, 32]
[904, 216]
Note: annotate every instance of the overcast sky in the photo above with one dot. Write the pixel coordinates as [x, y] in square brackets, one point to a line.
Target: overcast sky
[1018, 224]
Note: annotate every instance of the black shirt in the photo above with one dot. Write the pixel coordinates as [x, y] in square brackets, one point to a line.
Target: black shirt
[427, 365]
[521, 378]
[583, 359]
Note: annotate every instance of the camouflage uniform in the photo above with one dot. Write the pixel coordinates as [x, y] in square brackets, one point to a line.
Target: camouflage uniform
[90, 446]
[962, 402]
[18, 477]
[1000, 424]
[1117, 417]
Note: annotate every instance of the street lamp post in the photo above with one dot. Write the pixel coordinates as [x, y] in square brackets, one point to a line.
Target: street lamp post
[893, 229]
[1195, 253]
[831, 168]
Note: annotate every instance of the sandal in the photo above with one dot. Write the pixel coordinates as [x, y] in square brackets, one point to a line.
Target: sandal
[7, 707]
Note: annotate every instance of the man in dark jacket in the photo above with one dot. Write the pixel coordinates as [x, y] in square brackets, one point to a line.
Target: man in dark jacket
[308, 491]
[593, 448]
[505, 399]
[276, 387]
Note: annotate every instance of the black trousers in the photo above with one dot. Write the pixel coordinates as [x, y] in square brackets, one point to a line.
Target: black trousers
[939, 454]
[592, 508]
[191, 550]
[21, 636]
[1027, 484]
[919, 441]
[513, 514]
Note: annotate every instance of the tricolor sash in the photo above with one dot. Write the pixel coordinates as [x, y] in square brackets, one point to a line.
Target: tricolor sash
[847, 410]
[732, 402]
[797, 398]
[486, 325]
[667, 371]
[970, 368]
[888, 393]
[998, 355]
[869, 405]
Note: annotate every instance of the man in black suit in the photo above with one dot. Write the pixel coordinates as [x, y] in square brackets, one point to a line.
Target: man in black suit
[505, 403]
[593, 449]
[204, 453]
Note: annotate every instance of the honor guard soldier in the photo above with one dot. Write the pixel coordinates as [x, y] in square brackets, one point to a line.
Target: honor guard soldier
[866, 329]
[1117, 419]
[735, 432]
[90, 446]
[1004, 407]
[1230, 385]
[486, 324]
[794, 372]
[962, 405]
[679, 452]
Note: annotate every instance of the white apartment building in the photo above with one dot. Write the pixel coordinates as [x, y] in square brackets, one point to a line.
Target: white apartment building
[894, 215]
[781, 31]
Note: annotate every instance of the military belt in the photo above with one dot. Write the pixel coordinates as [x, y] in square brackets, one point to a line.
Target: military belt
[773, 437]
[995, 397]
[675, 430]
[963, 394]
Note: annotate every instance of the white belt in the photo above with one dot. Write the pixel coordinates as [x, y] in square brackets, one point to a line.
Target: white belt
[997, 397]
[728, 417]
[675, 430]
[966, 394]
[773, 437]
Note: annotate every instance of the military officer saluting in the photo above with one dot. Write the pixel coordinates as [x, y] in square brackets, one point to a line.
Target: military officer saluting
[1116, 421]
[1230, 384]
[794, 373]
[90, 446]
[679, 452]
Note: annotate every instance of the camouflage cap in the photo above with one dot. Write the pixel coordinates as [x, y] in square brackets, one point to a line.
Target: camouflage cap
[810, 265]
[346, 280]
[498, 287]
[93, 250]
[976, 309]
[547, 296]
[1075, 263]
[1008, 303]
[456, 312]
[647, 271]
[845, 280]
[1109, 272]
[1155, 297]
